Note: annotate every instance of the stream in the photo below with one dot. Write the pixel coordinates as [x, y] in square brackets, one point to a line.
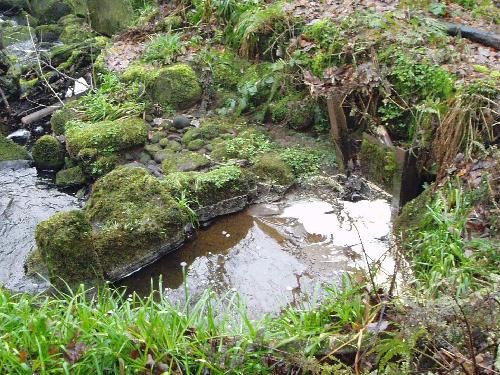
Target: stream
[25, 200]
[275, 254]
[272, 254]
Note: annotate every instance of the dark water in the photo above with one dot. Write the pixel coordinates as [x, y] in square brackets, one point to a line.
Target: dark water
[272, 255]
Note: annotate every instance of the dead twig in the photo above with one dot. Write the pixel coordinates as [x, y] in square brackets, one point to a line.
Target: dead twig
[5, 101]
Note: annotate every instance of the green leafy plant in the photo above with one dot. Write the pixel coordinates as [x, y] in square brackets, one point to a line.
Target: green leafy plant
[164, 49]
[112, 100]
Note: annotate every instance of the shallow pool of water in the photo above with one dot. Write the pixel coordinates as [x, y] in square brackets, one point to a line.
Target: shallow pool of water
[275, 254]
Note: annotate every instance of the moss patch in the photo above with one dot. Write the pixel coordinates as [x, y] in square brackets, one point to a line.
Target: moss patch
[106, 136]
[65, 242]
[61, 117]
[184, 162]
[48, 153]
[176, 86]
[12, 151]
[378, 163]
[271, 168]
[70, 177]
[205, 189]
[131, 213]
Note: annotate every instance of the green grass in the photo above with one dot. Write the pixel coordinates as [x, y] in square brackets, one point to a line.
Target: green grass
[108, 332]
[164, 49]
[113, 99]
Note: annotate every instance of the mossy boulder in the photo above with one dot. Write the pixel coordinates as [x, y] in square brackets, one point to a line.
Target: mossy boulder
[378, 162]
[66, 244]
[12, 151]
[196, 144]
[49, 11]
[176, 86]
[12, 33]
[296, 110]
[135, 219]
[49, 33]
[106, 136]
[184, 162]
[75, 30]
[70, 177]
[209, 188]
[62, 116]
[110, 16]
[13, 5]
[271, 168]
[48, 153]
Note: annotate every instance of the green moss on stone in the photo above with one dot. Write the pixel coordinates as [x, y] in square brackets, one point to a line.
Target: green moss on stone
[61, 117]
[49, 11]
[205, 189]
[176, 86]
[48, 33]
[132, 213]
[271, 168]
[296, 110]
[65, 242]
[196, 144]
[378, 163]
[106, 136]
[11, 151]
[48, 153]
[184, 162]
[70, 177]
[110, 16]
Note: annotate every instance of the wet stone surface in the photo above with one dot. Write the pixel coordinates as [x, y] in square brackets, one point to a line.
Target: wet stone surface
[275, 254]
[25, 200]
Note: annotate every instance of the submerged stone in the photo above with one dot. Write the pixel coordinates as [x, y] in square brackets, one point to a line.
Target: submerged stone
[65, 242]
[48, 153]
[106, 136]
[135, 219]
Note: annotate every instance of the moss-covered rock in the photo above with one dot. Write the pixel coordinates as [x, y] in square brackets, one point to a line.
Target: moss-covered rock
[11, 5]
[271, 168]
[211, 187]
[110, 16]
[49, 33]
[135, 219]
[226, 68]
[184, 162]
[12, 33]
[11, 151]
[378, 162]
[48, 153]
[176, 86]
[106, 136]
[62, 116]
[65, 242]
[70, 177]
[75, 30]
[196, 144]
[49, 11]
[296, 110]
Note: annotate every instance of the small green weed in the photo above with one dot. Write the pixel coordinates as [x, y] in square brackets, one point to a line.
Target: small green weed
[164, 49]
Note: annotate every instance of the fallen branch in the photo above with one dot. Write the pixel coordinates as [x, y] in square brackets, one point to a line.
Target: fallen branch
[5, 101]
[38, 115]
[479, 36]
